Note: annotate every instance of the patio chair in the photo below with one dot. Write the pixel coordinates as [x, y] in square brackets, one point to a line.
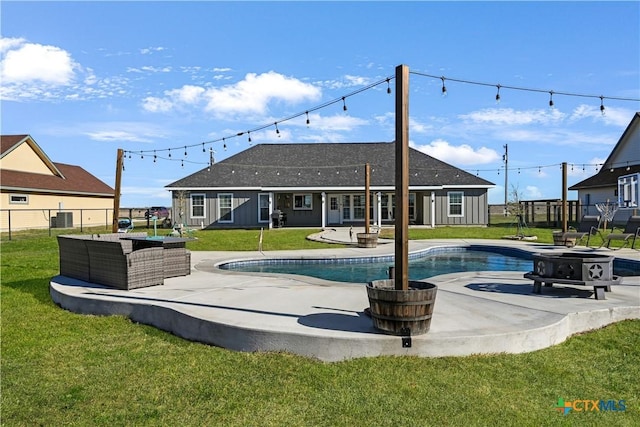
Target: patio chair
[589, 226]
[631, 232]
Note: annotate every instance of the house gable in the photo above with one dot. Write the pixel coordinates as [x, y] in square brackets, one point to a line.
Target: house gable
[623, 160]
[26, 168]
[22, 153]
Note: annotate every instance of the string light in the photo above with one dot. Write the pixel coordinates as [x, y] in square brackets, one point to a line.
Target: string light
[387, 80]
[203, 150]
[344, 104]
[185, 151]
[248, 139]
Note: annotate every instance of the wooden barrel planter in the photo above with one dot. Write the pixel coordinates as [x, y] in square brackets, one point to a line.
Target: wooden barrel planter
[399, 312]
[367, 240]
[558, 240]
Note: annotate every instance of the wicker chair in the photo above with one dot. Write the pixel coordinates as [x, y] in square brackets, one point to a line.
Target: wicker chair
[74, 258]
[177, 262]
[110, 265]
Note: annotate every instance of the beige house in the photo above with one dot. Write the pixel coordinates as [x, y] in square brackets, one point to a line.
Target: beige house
[37, 193]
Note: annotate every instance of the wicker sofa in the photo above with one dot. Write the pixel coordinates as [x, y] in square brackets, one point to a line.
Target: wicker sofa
[112, 263]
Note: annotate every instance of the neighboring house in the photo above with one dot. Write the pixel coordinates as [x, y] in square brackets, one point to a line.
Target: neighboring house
[617, 179]
[33, 189]
[320, 185]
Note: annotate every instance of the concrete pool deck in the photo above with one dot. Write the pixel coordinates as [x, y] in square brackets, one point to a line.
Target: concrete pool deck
[475, 312]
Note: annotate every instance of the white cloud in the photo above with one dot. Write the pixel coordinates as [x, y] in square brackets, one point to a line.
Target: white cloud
[28, 62]
[156, 105]
[31, 71]
[511, 117]
[150, 50]
[532, 192]
[221, 70]
[120, 131]
[249, 96]
[337, 122]
[187, 94]
[612, 115]
[7, 43]
[346, 81]
[459, 155]
[256, 91]
[116, 135]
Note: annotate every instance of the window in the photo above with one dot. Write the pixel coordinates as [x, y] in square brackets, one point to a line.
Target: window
[197, 206]
[628, 191]
[412, 206]
[346, 207]
[358, 206]
[263, 207]
[455, 201]
[21, 199]
[302, 201]
[225, 207]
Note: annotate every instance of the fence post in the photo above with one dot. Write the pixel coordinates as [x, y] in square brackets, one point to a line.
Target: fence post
[9, 218]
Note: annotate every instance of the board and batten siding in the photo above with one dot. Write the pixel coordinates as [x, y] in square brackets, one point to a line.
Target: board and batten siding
[244, 207]
[475, 208]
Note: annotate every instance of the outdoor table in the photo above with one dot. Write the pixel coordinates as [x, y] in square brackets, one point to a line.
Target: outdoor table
[154, 242]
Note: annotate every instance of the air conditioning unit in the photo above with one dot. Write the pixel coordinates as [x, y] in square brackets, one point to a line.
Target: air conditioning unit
[63, 220]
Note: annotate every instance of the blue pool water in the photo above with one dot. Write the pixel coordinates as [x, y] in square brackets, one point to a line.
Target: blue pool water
[357, 270]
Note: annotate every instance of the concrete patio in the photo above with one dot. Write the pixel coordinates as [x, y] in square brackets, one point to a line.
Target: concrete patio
[475, 312]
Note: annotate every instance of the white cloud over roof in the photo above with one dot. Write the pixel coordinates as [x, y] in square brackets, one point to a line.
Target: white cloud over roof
[25, 62]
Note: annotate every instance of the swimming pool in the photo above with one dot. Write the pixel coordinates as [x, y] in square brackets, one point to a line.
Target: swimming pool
[422, 265]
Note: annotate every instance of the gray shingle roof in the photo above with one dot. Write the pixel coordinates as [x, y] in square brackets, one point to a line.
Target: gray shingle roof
[605, 178]
[324, 165]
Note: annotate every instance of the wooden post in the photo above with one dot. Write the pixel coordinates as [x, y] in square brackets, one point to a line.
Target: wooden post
[367, 204]
[402, 179]
[564, 197]
[116, 195]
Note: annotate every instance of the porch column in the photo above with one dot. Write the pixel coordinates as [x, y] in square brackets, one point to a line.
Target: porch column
[433, 209]
[324, 210]
[379, 209]
[270, 209]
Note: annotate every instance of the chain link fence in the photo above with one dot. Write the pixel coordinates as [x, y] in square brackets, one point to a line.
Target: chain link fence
[23, 223]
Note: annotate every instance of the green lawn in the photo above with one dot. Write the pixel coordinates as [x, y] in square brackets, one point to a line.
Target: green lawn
[61, 368]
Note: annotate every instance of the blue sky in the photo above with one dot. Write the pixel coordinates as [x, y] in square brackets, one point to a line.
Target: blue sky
[86, 78]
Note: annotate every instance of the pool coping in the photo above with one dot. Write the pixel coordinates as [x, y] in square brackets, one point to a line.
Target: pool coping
[475, 312]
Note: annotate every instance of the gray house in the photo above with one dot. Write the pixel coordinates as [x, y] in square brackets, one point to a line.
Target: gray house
[323, 185]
